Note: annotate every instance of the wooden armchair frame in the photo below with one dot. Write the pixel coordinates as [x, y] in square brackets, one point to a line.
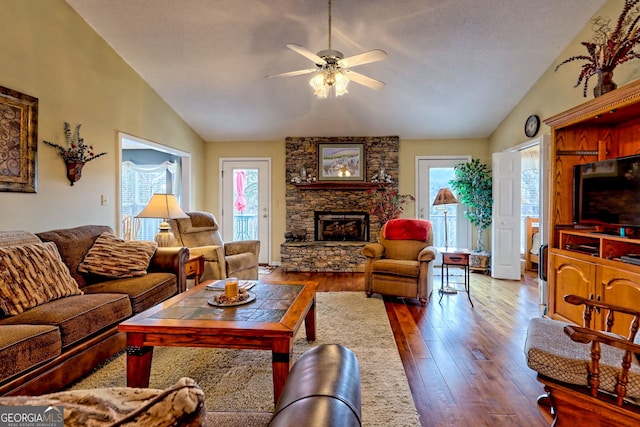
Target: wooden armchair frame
[532, 227]
[577, 405]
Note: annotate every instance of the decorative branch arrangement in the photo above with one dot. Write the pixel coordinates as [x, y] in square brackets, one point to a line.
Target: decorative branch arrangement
[76, 154]
[609, 48]
[77, 150]
[387, 203]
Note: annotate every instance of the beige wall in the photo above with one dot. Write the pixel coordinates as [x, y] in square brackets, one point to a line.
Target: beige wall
[50, 53]
[554, 93]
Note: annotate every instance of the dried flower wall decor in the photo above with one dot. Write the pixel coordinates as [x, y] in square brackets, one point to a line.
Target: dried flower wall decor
[609, 48]
[76, 154]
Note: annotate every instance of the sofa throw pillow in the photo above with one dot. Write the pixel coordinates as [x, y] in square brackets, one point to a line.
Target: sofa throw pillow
[115, 258]
[31, 275]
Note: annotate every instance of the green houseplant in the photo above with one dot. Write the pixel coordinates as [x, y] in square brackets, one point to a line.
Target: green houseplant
[473, 186]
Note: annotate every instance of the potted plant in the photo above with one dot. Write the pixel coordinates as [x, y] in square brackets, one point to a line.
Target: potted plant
[473, 186]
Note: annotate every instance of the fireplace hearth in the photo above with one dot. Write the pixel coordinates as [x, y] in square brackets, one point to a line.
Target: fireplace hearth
[341, 226]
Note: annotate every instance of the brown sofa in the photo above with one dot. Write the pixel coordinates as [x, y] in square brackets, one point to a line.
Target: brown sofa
[50, 345]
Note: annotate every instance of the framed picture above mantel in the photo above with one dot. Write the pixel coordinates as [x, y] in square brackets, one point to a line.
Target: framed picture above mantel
[341, 161]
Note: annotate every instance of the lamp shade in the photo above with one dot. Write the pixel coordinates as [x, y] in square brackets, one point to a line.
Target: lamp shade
[445, 197]
[163, 206]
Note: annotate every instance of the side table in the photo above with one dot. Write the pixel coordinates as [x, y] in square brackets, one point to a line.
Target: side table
[457, 258]
[194, 267]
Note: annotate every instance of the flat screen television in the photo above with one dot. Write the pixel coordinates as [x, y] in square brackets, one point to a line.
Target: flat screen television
[608, 192]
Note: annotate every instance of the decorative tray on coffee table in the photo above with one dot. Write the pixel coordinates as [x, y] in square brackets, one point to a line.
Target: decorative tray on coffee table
[212, 301]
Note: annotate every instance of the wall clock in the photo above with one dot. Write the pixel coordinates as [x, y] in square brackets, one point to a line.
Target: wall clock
[531, 126]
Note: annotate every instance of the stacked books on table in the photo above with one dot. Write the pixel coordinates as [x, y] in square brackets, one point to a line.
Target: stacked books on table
[218, 285]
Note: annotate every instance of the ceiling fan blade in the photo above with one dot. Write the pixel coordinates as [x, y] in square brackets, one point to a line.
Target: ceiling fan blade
[306, 53]
[363, 58]
[293, 73]
[364, 80]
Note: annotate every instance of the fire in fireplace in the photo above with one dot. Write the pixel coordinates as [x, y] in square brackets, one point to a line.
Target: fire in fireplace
[341, 226]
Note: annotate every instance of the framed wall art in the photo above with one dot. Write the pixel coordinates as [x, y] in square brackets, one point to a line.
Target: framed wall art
[341, 162]
[18, 141]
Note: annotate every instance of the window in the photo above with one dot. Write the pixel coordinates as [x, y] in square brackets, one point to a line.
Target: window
[139, 183]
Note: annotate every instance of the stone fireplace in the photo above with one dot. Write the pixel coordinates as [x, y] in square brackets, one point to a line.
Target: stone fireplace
[341, 226]
[307, 197]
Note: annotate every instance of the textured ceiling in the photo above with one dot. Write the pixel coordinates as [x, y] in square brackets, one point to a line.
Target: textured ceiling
[455, 68]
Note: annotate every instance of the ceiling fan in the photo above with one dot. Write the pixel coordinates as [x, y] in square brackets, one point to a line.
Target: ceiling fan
[333, 69]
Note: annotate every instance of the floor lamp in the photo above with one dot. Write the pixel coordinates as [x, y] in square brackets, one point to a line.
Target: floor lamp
[443, 198]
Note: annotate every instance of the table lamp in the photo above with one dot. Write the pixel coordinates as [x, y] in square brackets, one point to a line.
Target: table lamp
[165, 207]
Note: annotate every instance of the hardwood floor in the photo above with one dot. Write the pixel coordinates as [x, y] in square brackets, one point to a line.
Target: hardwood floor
[465, 365]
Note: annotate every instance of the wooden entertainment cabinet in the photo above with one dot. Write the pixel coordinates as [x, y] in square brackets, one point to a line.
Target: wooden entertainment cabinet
[586, 261]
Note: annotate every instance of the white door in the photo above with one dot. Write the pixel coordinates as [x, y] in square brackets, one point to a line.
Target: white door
[433, 174]
[246, 194]
[505, 235]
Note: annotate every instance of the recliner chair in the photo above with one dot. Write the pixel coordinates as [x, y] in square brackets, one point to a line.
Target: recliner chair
[200, 233]
[400, 264]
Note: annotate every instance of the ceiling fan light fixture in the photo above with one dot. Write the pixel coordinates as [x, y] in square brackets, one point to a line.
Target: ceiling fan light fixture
[321, 90]
[341, 83]
[323, 81]
[332, 68]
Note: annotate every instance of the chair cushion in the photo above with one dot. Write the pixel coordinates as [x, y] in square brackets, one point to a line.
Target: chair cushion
[115, 258]
[182, 404]
[31, 275]
[398, 267]
[407, 229]
[552, 353]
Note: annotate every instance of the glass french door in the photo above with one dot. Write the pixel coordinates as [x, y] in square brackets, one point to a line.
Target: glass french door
[245, 202]
[434, 173]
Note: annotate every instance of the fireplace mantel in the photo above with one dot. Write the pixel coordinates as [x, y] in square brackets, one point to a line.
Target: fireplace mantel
[332, 185]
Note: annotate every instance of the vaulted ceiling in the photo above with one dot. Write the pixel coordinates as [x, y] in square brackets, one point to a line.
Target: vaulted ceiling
[455, 68]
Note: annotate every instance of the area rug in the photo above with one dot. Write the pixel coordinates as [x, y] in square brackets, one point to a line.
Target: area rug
[241, 379]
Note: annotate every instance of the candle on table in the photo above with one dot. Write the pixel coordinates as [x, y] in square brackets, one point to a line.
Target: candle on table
[231, 287]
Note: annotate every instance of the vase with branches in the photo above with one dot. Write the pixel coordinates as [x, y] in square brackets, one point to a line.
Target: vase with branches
[76, 154]
[610, 47]
[387, 203]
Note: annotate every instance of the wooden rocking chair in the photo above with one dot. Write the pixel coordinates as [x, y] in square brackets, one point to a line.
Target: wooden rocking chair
[591, 377]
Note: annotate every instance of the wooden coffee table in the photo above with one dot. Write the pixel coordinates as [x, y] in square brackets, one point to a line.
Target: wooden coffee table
[188, 320]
